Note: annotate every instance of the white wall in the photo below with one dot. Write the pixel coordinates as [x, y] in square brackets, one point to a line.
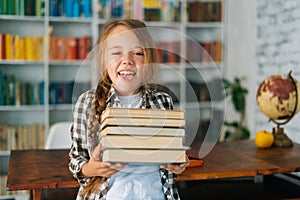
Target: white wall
[241, 54]
[263, 39]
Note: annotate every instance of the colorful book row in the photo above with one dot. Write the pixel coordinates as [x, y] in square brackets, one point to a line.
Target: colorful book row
[169, 52]
[204, 51]
[14, 92]
[21, 137]
[66, 92]
[69, 48]
[31, 48]
[147, 10]
[70, 8]
[165, 11]
[15, 47]
[22, 7]
[64, 8]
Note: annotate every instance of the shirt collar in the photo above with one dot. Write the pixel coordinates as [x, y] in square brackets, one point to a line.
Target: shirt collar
[114, 101]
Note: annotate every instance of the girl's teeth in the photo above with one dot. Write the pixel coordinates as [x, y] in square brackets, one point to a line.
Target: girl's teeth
[126, 73]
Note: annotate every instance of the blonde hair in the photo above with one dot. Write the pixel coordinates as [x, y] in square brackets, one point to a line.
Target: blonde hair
[104, 83]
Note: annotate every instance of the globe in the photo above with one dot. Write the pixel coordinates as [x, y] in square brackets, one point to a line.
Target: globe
[277, 97]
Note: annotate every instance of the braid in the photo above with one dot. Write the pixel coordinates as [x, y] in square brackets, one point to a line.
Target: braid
[99, 103]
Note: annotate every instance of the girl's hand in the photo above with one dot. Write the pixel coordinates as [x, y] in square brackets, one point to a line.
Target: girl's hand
[176, 169]
[95, 167]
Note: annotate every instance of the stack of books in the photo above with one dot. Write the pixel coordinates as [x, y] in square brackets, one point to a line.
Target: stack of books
[132, 135]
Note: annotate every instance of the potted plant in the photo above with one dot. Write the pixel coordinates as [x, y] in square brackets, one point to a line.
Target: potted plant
[236, 129]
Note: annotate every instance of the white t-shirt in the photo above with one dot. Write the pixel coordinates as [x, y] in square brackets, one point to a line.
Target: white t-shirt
[135, 182]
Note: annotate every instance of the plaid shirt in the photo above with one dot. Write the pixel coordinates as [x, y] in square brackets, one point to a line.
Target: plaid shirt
[79, 153]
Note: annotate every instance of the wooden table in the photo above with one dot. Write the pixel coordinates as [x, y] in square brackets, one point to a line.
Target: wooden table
[44, 169]
[39, 169]
[243, 158]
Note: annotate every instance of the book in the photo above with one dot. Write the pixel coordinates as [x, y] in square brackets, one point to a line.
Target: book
[2, 88]
[2, 46]
[144, 142]
[149, 122]
[141, 113]
[149, 156]
[142, 131]
[71, 50]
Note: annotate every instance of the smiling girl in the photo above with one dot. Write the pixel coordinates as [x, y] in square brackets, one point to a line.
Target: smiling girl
[127, 63]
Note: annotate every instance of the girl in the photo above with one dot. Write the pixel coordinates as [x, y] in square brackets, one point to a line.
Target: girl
[127, 59]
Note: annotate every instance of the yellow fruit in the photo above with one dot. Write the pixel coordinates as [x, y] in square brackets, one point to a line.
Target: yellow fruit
[264, 139]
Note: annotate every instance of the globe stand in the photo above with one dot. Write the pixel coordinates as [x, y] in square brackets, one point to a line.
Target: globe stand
[280, 138]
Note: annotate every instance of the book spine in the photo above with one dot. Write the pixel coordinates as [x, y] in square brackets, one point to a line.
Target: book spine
[2, 46]
[18, 93]
[69, 8]
[42, 92]
[21, 7]
[29, 7]
[87, 8]
[76, 8]
[1, 7]
[2, 88]
[10, 7]
[53, 8]
[4, 6]
[38, 8]
[72, 50]
[16, 7]
[8, 46]
[10, 90]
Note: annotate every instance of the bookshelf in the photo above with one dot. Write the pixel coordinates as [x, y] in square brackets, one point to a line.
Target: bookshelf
[171, 22]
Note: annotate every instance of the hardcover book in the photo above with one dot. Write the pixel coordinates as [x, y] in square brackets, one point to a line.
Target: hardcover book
[141, 113]
[150, 156]
[135, 141]
[142, 131]
[149, 122]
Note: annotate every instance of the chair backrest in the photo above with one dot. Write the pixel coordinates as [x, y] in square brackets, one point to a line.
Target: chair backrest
[59, 136]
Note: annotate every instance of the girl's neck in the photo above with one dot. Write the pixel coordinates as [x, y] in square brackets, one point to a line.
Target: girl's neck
[132, 101]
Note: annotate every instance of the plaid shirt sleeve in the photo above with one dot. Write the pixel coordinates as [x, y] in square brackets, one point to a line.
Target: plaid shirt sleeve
[78, 154]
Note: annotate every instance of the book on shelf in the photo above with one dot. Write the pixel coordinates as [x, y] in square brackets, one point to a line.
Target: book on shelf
[169, 51]
[144, 156]
[15, 92]
[14, 47]
[21, 137]
[113, 9]
[69, 48]
[2, 87]
[63, 8]
[210, 11]
[70, 8]
[155, 10]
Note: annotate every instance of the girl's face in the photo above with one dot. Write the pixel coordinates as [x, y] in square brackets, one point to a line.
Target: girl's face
[125, 61]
